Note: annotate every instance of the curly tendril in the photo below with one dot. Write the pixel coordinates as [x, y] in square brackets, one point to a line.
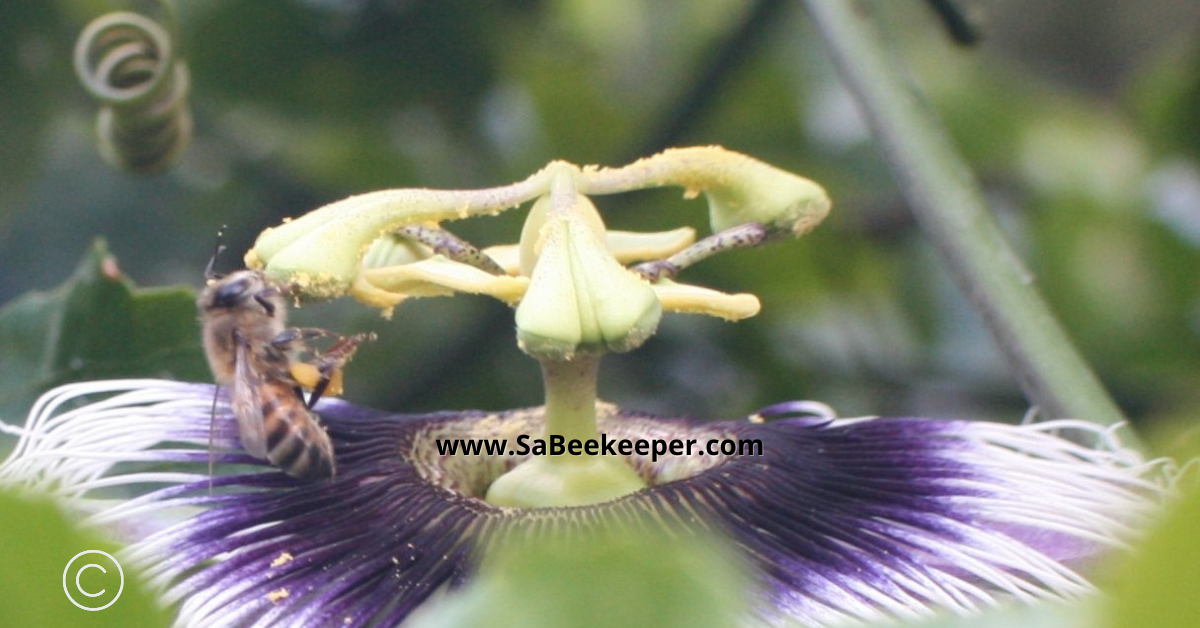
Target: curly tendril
[128, 63]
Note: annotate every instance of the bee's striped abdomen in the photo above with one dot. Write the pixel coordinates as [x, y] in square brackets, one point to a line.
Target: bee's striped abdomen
[296, 442]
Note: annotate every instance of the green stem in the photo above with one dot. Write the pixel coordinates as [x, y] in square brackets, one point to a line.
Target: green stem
[571, 398]
[548, 481]
[949, 205]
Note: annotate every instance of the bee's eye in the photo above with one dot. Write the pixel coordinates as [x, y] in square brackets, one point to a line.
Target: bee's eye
[231, 294]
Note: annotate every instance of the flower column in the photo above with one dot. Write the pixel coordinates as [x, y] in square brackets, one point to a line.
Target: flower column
[580, 303]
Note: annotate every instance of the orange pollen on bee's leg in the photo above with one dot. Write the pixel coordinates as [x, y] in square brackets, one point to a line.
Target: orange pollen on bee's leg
[305, 374]
[334, 389]
[309, 376]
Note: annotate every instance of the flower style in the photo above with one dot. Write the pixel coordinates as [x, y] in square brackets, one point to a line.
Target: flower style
[842, 519]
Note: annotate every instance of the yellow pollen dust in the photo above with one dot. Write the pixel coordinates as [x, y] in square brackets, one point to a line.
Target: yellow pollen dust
[283, 559]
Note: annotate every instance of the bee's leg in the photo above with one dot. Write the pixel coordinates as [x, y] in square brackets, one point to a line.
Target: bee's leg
[317, 393]
[329, 365]
[290, 341]
[341, 350]
[742, 236]
[453, 247]
[288, 338]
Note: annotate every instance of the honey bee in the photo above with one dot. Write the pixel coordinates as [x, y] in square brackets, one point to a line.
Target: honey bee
[251, 349]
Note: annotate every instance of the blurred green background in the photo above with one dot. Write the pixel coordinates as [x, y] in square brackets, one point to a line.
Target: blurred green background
[1082, 119]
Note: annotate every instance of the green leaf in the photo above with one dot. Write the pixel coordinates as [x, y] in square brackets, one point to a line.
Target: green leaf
[608, 580]
[1157, 587]
[96, 325]
[37, 544]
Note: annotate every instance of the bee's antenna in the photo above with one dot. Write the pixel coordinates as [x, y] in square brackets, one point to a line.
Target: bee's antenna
[212, 262]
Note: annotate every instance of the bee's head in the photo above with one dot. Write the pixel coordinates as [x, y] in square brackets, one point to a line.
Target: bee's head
[239, 290]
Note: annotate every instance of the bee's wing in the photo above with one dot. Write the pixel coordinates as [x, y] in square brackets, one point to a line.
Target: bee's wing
[247, 405]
